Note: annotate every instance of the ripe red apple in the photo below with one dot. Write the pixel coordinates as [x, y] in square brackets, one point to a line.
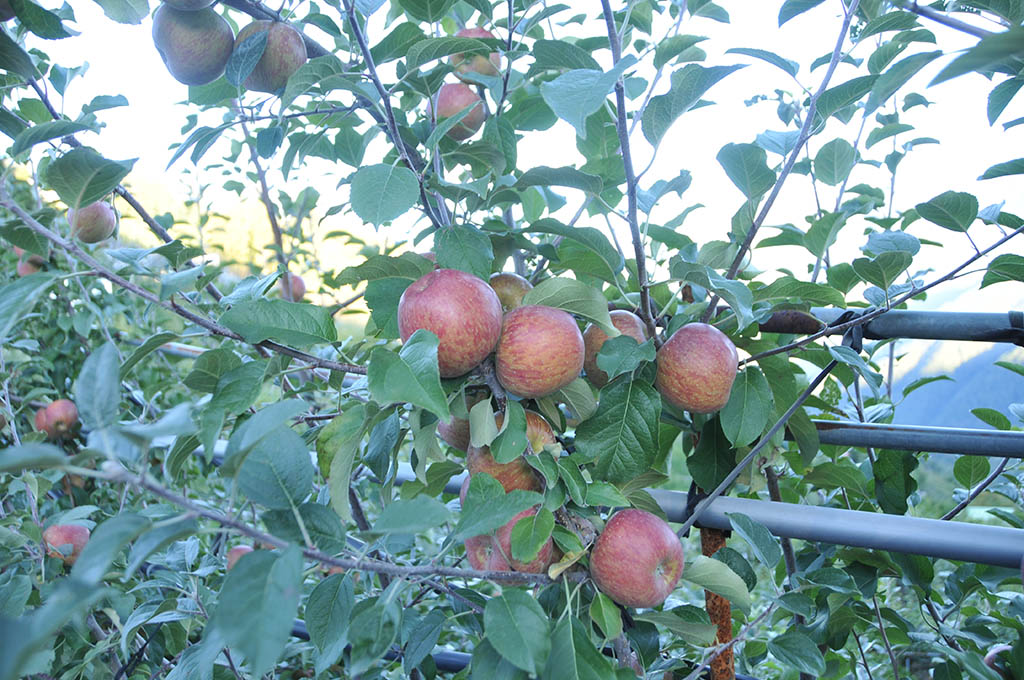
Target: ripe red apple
[460, 309]
[455, 431]
[450, 100]
[510, 288]
[61, 535]
[503, 542]
[195, 46]
[696, 368]
[284, 54]
[475, 63]
[6, 12]
[517, 474]
[236, 553]
[540, 351]
[57, 418]
[29, 265]
[293, 284]
[484, 554]
[637, 559]
[628, 323]
[93, 223]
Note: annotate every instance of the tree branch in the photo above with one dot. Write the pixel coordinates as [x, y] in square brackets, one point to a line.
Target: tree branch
[940, 18]
[977, 491]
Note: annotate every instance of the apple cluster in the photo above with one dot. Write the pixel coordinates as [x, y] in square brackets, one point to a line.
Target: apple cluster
[453, 98]
[195, 43]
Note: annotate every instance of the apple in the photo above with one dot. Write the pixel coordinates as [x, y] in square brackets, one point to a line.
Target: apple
[57, 418]
[517, 474]
[29, 265]
[293, 284]
[510, 288]
[540, 351]
[189, 5]
[455, 431]
[92, 223]
[696, 368]
[628, 323]
[6, 11]
[460, 309]
[475, 63]
[236, 553]
[503, 542]
[637, 559]
[195, 46]
[484, 554]
[62, 535]
[284, 54]
[450, 100]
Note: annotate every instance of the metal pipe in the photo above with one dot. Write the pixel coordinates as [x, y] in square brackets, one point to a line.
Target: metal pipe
[970, 326]
[962, 440]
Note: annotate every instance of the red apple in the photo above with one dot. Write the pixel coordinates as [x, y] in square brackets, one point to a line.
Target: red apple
[460, 309]
[637, 559]
[628, 323]
[6, 12]
[30, 265]
[475, 63]
[57, 418]
[62, 535]
[236, 553]
[517, 474]
[510, 288]
[696, 368]
[540, 351]
[455, 431]
[284, 53]
[484, 554]
[503, 542]
[93, 223]
[450, 100]
[296, 284]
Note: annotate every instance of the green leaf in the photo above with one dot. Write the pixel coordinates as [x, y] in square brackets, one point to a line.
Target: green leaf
[622, 436]
[573, 655]
[893, 481]
[411, 376]
[717, 577]
[290, 323]
[145, 349]
[673, 46]
[841, 96]
[82, 176]
[409, 266]
[765, 546]
[421, 638]
[328, 611]
[747, 167]
[559, 54]
[105, 544]
[575, 95]
[543, 176]
[327, 73]
[277, 473]
[245, 56]
[991, 51]
[257, 603]
[412, 516]
[713, 457]
[19, 297]
[14, 59]
[209, 367]
[834, 161]
[970, 470]
[588, 237]
[992, 418]
[511, 441]
[337, 447]
[464, 247]
[687, 623]
[792, 8]
[1006, 267]
[487, 664]
[518, 629]
[606, 615]
[32, 456]
[749, 408]
[44, 132]
[883, 269]
[488, 507]
[578, 396]
[530, 534]
[574, 297]
[125, 11]
[787, 65]
[735, 293]
[42, 22]
[822, 233]
[1000, 97]
[688, 85]
[891, 21]
[788, 290]
[380, 193]
[157, 538]
[885, 132]
[98, 388]
[426, 10]
[798, 651]
[1014, 167]
[953, 210]
[624, 355]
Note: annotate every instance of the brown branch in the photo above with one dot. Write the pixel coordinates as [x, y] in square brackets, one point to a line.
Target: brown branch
[978, 490]
[170, 305]
[621, 126]
[940, 18]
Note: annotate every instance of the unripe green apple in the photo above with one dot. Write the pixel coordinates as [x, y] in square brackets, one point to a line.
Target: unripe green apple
[696, 368]
[511, 288]
[475, 63]
[540, 351]
[450, 100]
[93, 223]
[637, 560]
[195, 46]
[63, 535]
[517, 474]
[292, 287]
[594, 338]
[460, 309]
[284, 54]
[236, 553]
[57, 419]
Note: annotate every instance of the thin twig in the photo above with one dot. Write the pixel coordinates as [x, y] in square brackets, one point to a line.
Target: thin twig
[977, 491]
[940, 18]
[885, 639]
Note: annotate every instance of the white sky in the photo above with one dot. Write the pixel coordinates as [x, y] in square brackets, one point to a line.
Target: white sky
[122, 60]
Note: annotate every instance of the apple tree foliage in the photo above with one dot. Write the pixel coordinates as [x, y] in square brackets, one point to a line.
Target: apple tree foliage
[269, 428]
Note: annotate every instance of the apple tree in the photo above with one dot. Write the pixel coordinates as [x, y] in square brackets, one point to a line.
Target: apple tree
[450, 455]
